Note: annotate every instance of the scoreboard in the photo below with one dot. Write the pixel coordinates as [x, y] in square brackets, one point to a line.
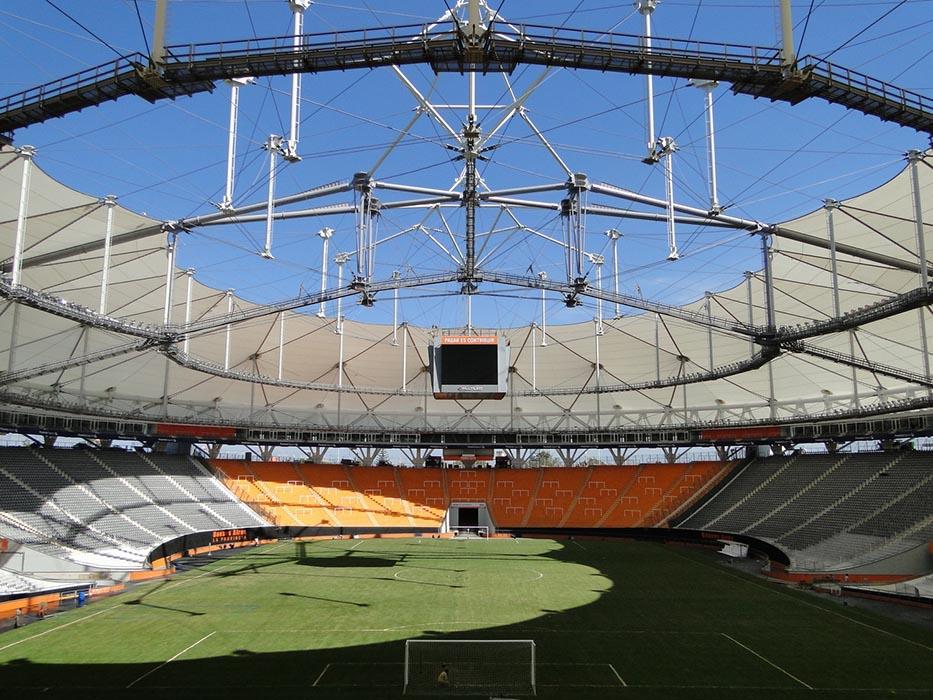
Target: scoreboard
[469, 366]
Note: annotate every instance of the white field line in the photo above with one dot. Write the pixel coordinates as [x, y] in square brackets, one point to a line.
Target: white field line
[318, 679]
[165, 663]
[175, 584]
[54, 629]
[358, 543]
[770, 663]
[777, 591]
[613, 668]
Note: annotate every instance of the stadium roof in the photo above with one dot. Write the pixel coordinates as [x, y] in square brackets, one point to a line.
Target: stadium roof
[846, 333]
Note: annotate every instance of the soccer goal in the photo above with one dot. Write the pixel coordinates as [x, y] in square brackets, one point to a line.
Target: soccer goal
[474, 531]
[470, 666]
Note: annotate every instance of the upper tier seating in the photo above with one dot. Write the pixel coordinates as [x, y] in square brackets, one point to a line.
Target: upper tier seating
[828, 511]
[109, 508]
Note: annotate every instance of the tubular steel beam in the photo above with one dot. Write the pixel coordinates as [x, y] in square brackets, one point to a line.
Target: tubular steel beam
[193, 68]
[901, 418]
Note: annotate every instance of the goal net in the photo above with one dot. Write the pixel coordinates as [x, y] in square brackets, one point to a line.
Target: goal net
[481, 531]
[470, 667]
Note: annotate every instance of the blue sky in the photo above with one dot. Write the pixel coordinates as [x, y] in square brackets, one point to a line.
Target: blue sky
[776, 161]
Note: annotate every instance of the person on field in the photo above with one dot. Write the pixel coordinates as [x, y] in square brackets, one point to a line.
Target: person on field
[443, 678]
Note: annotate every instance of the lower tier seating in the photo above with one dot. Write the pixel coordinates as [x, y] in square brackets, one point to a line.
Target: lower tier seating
[332, 495]
[828, 511]
[109, 508]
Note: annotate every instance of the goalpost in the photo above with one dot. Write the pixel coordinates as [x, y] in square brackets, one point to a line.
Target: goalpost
[481, 531]
[470, 666]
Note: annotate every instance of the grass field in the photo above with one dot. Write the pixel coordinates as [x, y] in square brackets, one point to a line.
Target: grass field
[328, 619]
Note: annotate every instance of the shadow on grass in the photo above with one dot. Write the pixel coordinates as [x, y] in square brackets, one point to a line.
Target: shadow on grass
[655, 620]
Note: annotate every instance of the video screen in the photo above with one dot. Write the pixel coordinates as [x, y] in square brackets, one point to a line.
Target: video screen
[469, 364]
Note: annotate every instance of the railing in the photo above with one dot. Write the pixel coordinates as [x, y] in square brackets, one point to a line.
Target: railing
[264, 47]
[853, 80]
[87, 78]
[196, 65]
[744, 54]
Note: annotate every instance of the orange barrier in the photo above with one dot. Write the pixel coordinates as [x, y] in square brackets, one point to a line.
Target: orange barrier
[333, 495]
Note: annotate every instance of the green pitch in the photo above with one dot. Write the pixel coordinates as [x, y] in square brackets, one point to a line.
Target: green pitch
[328, 619]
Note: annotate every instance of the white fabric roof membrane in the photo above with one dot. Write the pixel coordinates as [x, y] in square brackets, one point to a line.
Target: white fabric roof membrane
[375, 393]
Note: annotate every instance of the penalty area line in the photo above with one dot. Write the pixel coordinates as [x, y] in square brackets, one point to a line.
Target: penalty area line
[613, 669]
[54, 629]
[318, 679]
[770, 663]
[165, 663]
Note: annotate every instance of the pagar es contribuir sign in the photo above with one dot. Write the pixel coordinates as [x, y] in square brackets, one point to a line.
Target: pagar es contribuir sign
[224, 536]
[469, 366]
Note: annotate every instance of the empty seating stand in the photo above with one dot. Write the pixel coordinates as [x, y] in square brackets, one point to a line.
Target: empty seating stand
[828, 510]
[389, 497]
[109, 508]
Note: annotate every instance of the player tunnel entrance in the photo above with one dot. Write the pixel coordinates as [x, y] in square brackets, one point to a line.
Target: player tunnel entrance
[468, 519]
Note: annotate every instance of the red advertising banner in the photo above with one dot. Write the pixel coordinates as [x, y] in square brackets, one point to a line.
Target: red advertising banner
[469, 340]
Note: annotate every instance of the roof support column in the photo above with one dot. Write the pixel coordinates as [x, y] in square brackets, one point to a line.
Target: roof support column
[274, 146]
[830, 205]
[543, 276]
[325, 233]
[470, 199]
[657, 346]
[709, 328]
[228, 331]
[769, 279]
[110, 201]
[26, 153]
[707, 86]
[14, 333]
[749, 276]
[598, 261]
[769, 314]
[404, 358]
[646, 7]
[395, 275]
[189, 273]
[340, 377]
[614, 236]
[171, 246]
[281, 364]
[367, 209]
[788, 53]
[165, 384]
[573, 217]
[534, 357]
[772, 402]
[913, 158]
[667, 148]
[291, 150]
[341, 260]
[171, 250]
[86, 340]
[597, 375]
[157, 57]
[235, 84]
